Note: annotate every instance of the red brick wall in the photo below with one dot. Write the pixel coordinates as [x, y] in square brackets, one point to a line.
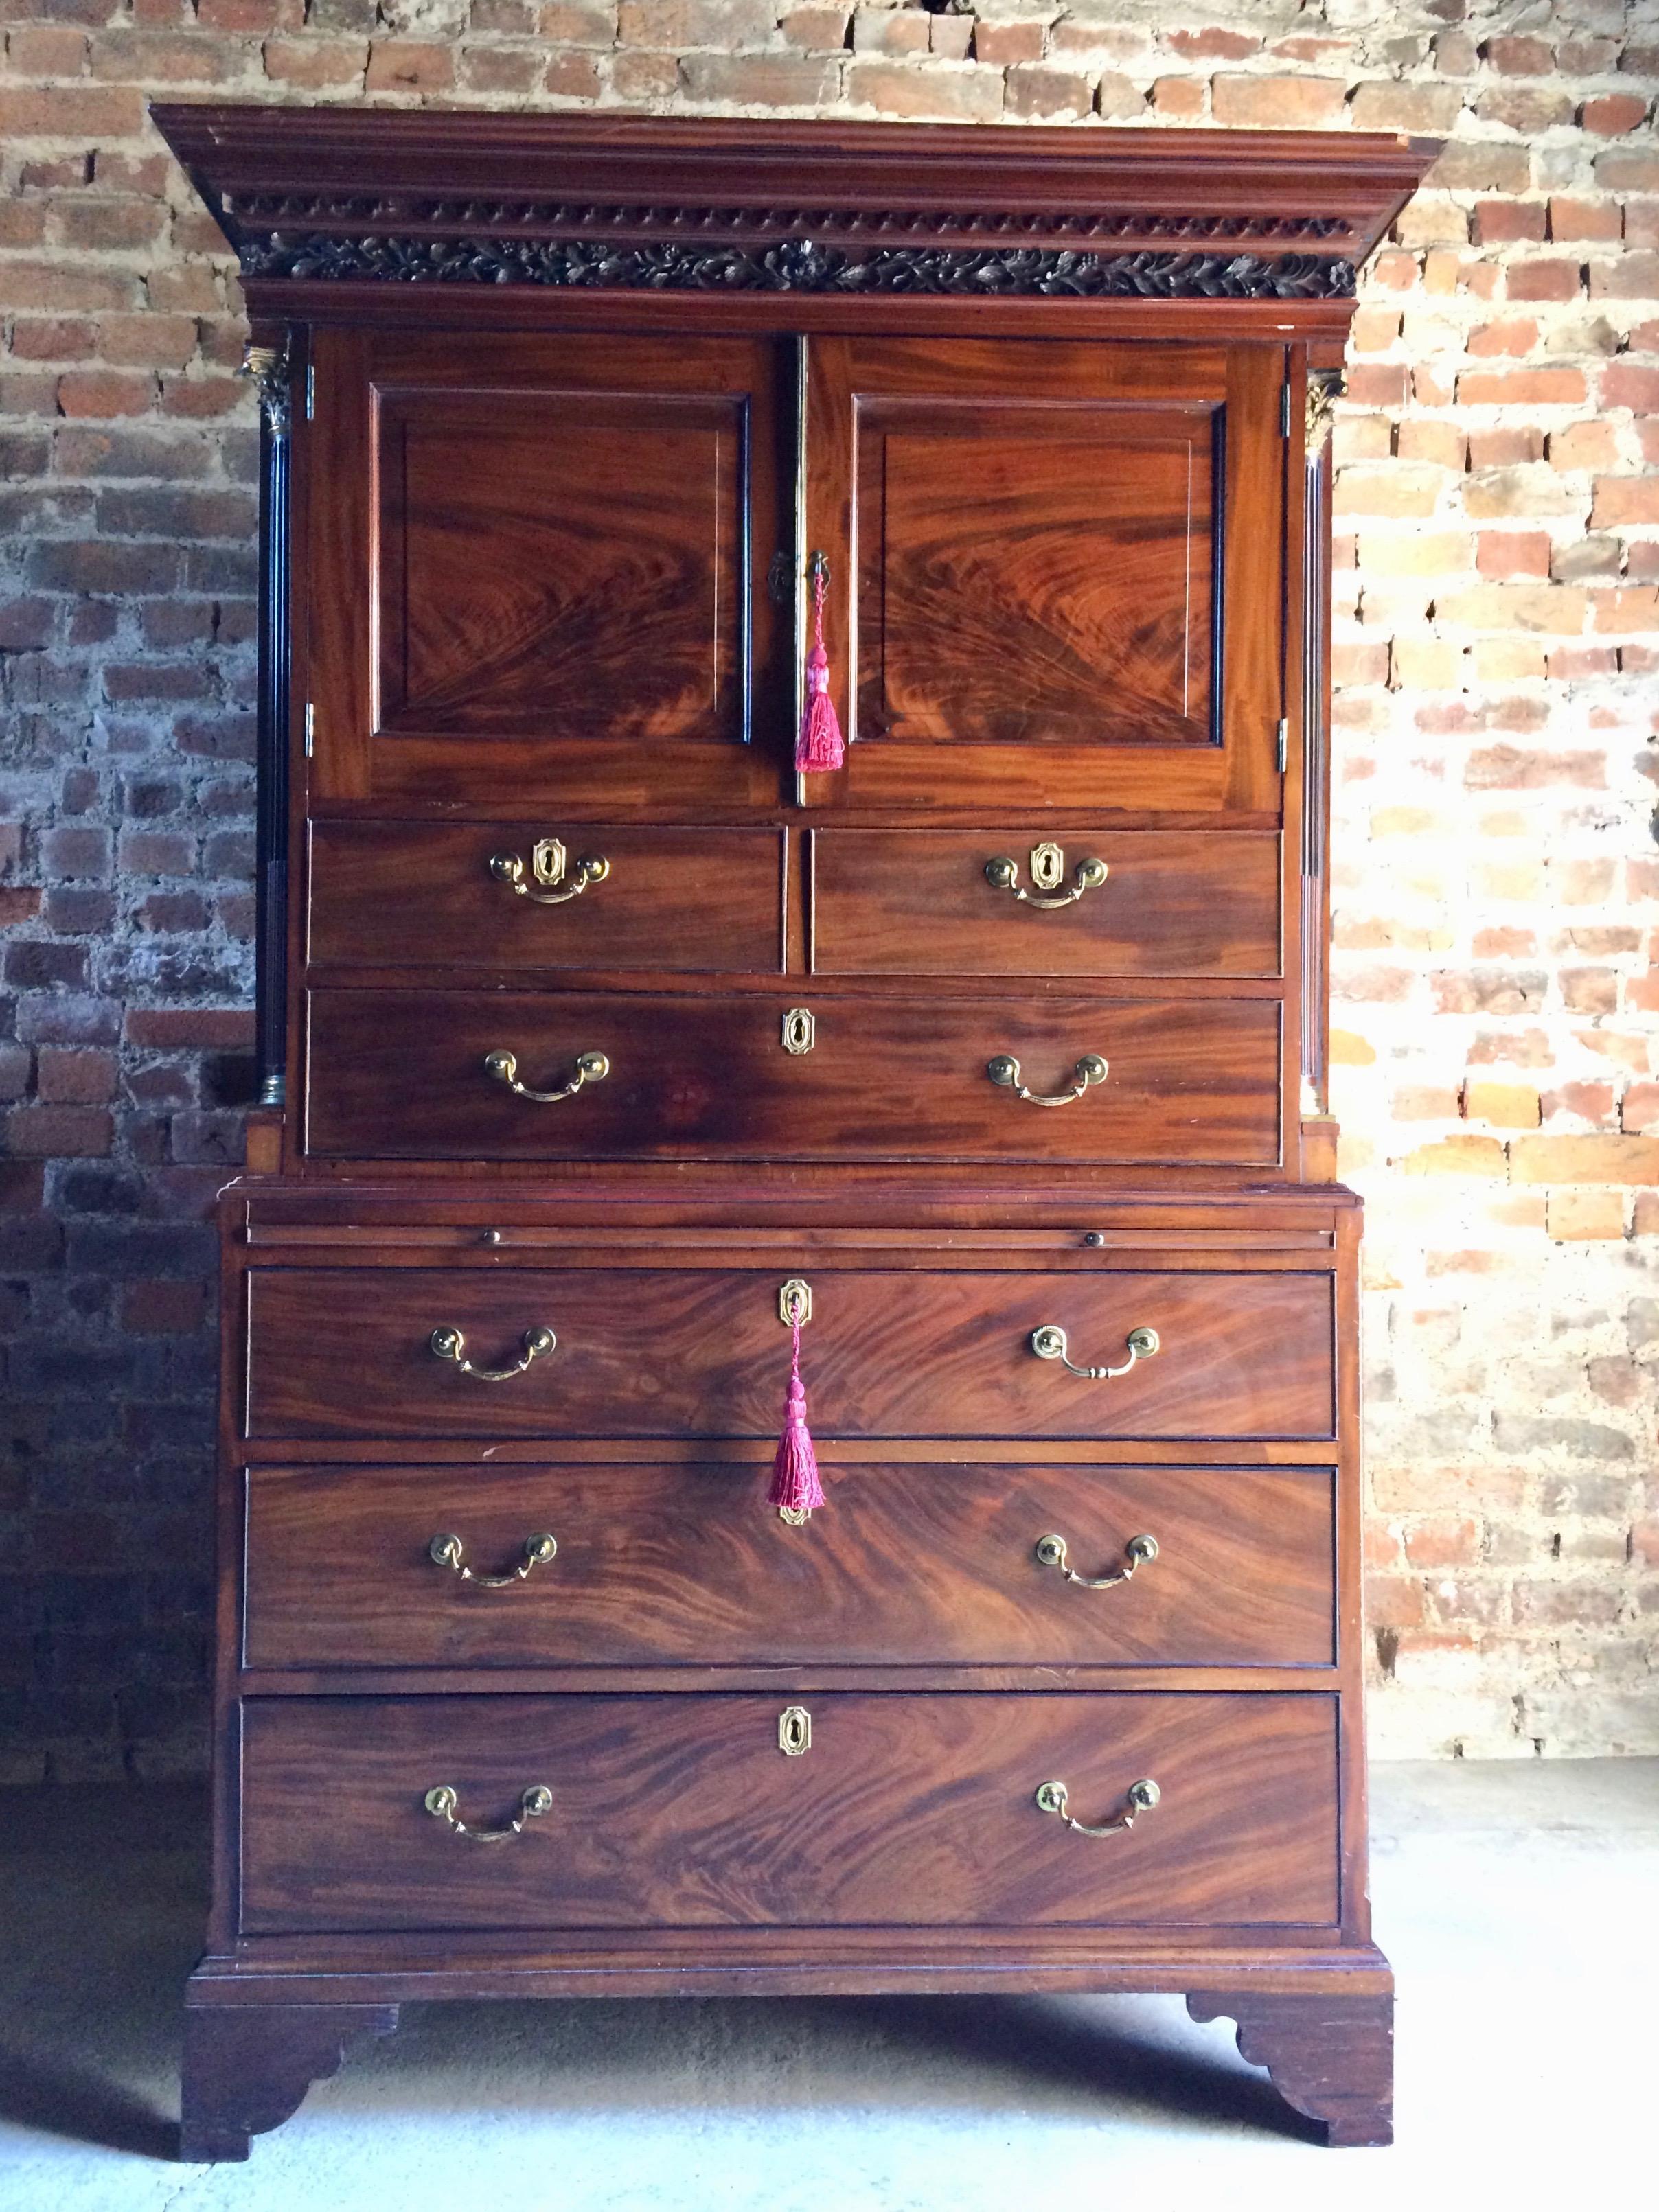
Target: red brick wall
[1498, 884]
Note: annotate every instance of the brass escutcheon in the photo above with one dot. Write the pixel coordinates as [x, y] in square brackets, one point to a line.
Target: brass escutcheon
[547, 860]
[794, 1303]
[794, 1731]
[1048, 869]
[1047, 866]
[800, 1030]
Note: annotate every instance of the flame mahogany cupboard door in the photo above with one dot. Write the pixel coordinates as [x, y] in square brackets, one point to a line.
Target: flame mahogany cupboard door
[538, 570]
[1056, 571]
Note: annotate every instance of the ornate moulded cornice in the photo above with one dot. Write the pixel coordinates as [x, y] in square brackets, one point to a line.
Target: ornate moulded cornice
[803, 265]
[651, 204]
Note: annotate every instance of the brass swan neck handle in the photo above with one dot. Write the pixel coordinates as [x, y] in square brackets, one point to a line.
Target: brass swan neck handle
[1048, 865]
[445, 1551]
[503, 1067]
[546, 883]
[449, 1344]
[1140, 1797]
[1004, 1071]
[441, 1802]
[1138, 1552]
[1049, 1342]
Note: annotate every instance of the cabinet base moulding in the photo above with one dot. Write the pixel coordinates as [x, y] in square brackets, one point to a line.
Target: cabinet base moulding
[246, 2070]
[250, 2055]
[1330, 2058]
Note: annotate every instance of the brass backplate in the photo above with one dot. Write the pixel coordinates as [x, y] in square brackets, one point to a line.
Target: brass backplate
[800, 1029]
[794, 1301]
[794, 1731]
[547, 862]
[1048, 866]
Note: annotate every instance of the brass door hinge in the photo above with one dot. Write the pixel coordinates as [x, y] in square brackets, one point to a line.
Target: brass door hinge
[1283, 746]
[1285, 411]
[311, 392]
[311, 728]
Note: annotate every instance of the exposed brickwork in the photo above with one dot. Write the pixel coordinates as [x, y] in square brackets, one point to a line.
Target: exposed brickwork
[1497, 894]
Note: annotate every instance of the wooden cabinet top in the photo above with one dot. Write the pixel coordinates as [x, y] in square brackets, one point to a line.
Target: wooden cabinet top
[859, 212]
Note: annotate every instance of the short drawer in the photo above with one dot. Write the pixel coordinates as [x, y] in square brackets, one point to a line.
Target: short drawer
[406, 1075]
[1012, 902]
[522, 895]
[675, 1353]
[935, 1561]
[681, 1810]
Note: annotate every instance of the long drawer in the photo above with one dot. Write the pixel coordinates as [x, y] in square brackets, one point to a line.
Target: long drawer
[691, 1353]
[684, 1810]
[407, 1075]
[968, 902]
[941, 1561]
[515, 895]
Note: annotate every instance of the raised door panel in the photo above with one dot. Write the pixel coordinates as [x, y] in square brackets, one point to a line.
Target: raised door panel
[538, 568]
[700, 1352]
[682, 1811]
[924, 1562]
[1061, 571]
[556, 563]
[1067, 545]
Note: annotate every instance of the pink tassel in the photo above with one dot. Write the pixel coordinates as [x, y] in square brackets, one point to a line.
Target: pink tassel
[820, 746]
[795, 1485]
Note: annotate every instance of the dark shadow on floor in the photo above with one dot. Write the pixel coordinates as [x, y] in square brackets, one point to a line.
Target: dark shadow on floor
[95, 1986]
[1056, 2044]
[69, 2097]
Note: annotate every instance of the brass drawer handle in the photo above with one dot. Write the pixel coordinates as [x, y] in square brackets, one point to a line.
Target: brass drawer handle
[1049, 1342]
[441, 1802]
[1142, 1797]
[547, 885]
[1138, 1552]
[591, 1068]
[1048, 863]
[1004, 1071]
[450, 1551]
[450, 1344]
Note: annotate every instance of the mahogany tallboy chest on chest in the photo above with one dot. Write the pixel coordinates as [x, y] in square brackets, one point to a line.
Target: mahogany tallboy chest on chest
[653, 1010]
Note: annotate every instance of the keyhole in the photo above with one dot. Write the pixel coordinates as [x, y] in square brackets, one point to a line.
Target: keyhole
[1048, 866]
[794, 1731]
[547, 859]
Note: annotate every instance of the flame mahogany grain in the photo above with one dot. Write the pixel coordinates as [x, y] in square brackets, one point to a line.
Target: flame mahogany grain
[400, 1074]
[696, 1352]
[917, 902]
[422, 895]
[925, 1562]
[683, 1812]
